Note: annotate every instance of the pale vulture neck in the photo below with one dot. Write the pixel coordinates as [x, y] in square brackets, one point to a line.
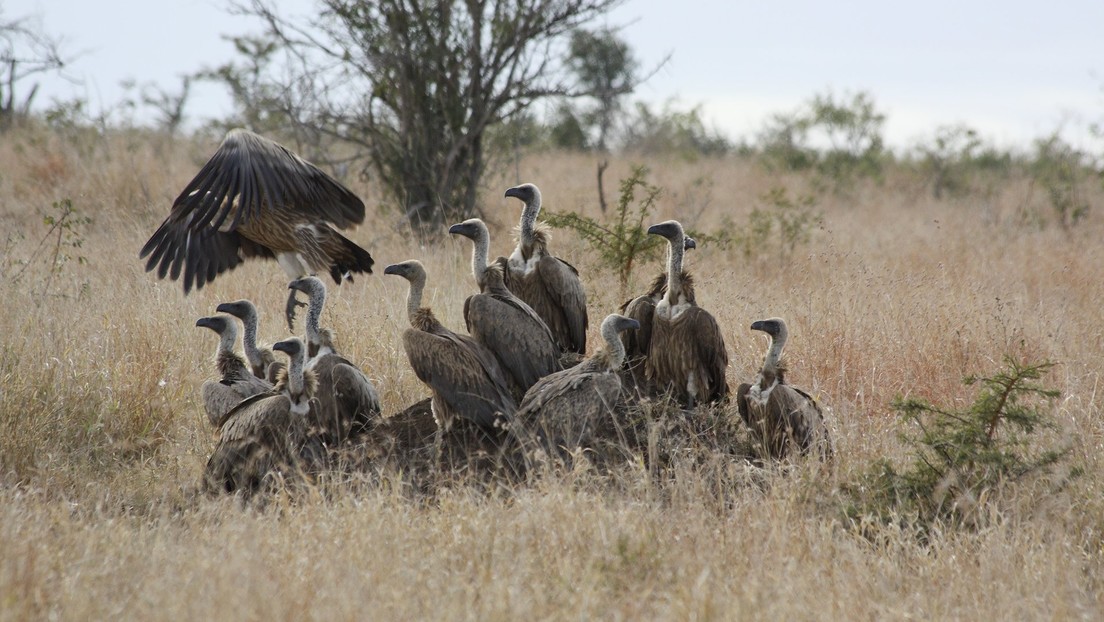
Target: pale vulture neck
[295, 377]
[774, 353]
[480, 253]
[529, 220]
[314, 316]
[614, 346]
[674, 270]
[227, 339]
[414, 299]
[249, 339]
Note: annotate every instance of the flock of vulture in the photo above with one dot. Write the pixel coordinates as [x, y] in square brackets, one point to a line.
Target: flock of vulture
[520, 376]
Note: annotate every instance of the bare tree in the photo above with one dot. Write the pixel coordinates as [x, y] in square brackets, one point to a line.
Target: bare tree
[416, 84]
[25, 51]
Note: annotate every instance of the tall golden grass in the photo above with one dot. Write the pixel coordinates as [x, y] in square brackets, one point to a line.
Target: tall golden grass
[103, 439]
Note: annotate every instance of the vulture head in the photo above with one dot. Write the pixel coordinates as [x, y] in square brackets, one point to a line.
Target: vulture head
[313, 287]
[243, 309]
[612, 327]
[614, 324]
[472, 228]
[775, 327]
[226, 328]
[672, 230]
[528, 193]
[292, 347]
[411, 270]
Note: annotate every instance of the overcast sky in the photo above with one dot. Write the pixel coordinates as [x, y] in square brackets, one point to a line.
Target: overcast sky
[1013, 69]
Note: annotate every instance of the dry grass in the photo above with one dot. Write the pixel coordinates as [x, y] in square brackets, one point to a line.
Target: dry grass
[102, 436]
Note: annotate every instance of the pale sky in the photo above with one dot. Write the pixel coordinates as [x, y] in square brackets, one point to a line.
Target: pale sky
[1015, 70]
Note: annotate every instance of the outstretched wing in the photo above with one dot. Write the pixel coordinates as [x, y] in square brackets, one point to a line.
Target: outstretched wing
[248, 179]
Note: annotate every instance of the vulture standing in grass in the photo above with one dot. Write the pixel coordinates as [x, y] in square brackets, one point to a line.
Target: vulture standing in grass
[687, 355]
[496, 318]
[642, 308]
[548, 284]
[265, 439]
[236, 381]
[464, 376]
[781, 417]
[255, 198]
[565, 409]
[261, 360]
[348, 403]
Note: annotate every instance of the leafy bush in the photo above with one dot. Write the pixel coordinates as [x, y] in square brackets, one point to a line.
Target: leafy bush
[962, 458]
[622, 243]
[839, 139]
[672, 131]
[1061, 171]
[779, 225]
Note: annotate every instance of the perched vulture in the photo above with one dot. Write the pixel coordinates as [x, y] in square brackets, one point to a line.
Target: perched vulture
[464, 376]
[236, 382]
[781, 417]
[255, 198]
[261, 360]
[496, 318]
[264, 440]
[641, 309]
[564, 410]
[347, 401]
[548, 284]
[687, 355]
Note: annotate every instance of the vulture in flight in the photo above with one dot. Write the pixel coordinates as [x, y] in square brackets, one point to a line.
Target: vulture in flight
[501, 321]
[565, 409]
[236, 381]
[781, 418]
[464, 377]
[256, 198]
[687, 355]
[546, 283]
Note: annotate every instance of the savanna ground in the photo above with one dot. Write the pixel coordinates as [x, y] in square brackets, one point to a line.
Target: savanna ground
[103, 438]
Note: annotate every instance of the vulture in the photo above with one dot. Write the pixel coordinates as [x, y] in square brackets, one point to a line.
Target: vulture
[548, 284]
[781, 417]
[265, 439]
[496, 318]
[464, 377]
[261, 360]
[641, 309]
[686, 355]
[255, 198]
[563, 410]
[347, 401]
[236, 381]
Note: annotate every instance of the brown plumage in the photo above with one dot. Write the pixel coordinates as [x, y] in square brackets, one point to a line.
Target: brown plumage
[687, 355]
[463, 375]
[348, 403]
[255, 198]
[264, 440]
[261, 360]
[781, 418]
[496, 318]
[235, 382]
[546, 283]
[563, 411]
[642, 308]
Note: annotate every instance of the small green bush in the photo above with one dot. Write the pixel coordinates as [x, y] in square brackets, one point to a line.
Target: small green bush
[961, 459]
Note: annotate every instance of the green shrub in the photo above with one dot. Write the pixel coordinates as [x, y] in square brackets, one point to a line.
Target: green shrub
[961, 459]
